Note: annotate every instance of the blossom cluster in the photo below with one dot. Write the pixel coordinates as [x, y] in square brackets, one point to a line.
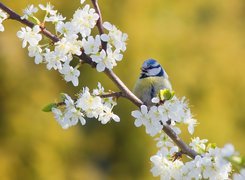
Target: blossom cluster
[3, 16]
[173, 111]
[74, 39]
[87, 105]
[211, 164]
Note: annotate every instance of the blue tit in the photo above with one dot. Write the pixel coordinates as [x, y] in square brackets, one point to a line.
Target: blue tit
[152, 79]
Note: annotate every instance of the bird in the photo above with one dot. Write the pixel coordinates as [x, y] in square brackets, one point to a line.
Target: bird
[153, 78]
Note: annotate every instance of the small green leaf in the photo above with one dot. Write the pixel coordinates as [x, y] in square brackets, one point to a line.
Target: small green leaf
[172, 94]
[36, 20]
[49, 107]
[243, 161]
[166, 94]
[211, 145]
[239, 160]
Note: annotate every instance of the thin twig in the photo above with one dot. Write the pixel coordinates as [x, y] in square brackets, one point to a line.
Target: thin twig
[128, 94]
[185, 149]
[123, 88]
[113, 94]
[60, 104]
[99, 22]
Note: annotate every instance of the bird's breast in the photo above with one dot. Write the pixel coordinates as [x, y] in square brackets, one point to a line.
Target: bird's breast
[147, 88]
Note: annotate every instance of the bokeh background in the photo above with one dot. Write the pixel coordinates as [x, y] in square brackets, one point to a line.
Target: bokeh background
[201, 44]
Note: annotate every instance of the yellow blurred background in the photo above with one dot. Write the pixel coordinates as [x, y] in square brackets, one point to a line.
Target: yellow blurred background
[201, 45]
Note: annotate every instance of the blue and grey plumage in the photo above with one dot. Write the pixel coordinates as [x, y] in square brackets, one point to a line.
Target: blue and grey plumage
[152, 79]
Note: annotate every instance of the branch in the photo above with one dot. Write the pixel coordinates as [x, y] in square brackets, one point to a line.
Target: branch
[16, 17]
[113, 94]
[125, 92]
[99, 22]
[185, 149]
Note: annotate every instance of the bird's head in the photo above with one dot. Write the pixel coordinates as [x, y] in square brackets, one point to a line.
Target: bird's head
[151, 68]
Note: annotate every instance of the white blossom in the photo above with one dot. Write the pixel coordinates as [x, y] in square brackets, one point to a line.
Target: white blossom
[228, 150]
[191, 124]
[115, 37]
[107, 115]
[66, 28]
[60, 117]
[220, 164]
[69, 102]
[86, 101]
[84, 20]
[92, 45]
[155, 100]
[1, 26]
[165, 168]
[95, 107]
[30, 36]
[109, 101]
[75, 115]
[70, 116]
[175, 129]
[177, 109]
[98, 58]
[70, 74]
[106, 59]
[163, 111]
[48, 8]
[29, 11]
[164, 142]
[140, 116]
[3, 15]
[69, 45]
[198, 145]
[54, 59]
[55, 18]
[82, 1]
[36, 51]
[58, 114]
[151, 120]
[92, 105]
[154, 124]
[99, 90]
[72, 113]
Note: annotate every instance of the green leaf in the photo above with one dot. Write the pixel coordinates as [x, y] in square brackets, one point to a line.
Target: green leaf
[49, 107]
[243, 162]
[239, 160]
[166, 94]
[172, 94]
[211, 145]
[36, 20]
